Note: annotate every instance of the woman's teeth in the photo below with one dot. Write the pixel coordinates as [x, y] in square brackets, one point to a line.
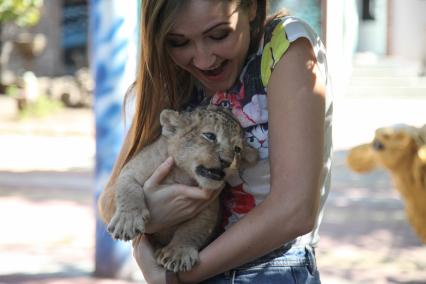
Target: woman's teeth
[215, 71]
[212, 72]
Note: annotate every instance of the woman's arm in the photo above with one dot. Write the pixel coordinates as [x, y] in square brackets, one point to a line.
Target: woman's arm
[296, 102]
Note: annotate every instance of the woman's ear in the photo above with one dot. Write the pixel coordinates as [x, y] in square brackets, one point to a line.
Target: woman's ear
[170, 121]
[361, 158]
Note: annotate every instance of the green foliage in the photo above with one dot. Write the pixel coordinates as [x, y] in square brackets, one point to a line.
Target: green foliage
[21, 12]
[12, 91]
[42, 107]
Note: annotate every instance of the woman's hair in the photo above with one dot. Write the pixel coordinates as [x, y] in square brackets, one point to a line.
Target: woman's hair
[160, 83]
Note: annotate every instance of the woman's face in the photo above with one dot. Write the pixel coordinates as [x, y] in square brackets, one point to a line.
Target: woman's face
[210, 40]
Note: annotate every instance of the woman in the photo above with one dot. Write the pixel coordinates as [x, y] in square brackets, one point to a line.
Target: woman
[273, 77]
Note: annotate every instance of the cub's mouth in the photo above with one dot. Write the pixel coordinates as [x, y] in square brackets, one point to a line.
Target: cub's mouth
[214, 174]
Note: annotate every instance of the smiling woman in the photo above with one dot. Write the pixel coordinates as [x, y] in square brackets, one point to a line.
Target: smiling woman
[213, 45]
[271, 74]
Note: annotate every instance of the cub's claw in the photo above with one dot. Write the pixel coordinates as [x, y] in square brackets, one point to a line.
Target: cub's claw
[177, 258]
[127, 225]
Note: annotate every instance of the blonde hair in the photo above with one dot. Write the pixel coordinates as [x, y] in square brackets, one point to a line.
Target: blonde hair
[160, 83]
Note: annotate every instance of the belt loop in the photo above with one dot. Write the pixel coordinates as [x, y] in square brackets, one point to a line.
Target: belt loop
[312, 265]
[233, 276]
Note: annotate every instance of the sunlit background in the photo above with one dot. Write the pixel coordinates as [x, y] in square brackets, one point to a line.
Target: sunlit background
[64, 68]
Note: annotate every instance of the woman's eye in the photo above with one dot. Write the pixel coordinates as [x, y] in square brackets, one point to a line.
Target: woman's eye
[177, 43]
[209, 136]
[219, 35]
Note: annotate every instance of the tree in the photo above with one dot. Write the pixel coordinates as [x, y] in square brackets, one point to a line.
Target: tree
[21, 12]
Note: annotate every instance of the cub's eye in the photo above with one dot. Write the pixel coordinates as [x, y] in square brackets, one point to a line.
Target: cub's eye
[237, 149]
[209, 136]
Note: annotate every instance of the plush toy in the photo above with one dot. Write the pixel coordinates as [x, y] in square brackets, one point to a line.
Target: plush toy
[401, 150]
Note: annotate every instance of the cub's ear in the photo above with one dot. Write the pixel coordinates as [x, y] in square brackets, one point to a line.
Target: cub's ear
[249, 156]
[170, 120]
[361, 158]
[421, 152]
[212, 107]
[422, 134]
[219, 108]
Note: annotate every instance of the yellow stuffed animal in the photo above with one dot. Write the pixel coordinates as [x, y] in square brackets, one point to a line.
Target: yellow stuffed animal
[401, 150]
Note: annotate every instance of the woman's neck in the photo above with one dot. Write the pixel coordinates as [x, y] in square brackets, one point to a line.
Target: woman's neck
[208, 93]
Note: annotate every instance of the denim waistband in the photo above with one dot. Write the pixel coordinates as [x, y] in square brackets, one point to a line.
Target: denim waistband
[287, 255]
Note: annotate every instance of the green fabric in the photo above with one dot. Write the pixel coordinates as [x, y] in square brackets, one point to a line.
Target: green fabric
[273, 51]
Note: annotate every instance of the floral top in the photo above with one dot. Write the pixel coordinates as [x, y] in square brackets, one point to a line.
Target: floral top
[247, 100]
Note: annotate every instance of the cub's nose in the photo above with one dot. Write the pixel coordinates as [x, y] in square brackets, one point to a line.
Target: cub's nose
[224, 164]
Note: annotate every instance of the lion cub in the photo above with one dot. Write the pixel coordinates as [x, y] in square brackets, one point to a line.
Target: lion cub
[208, 146]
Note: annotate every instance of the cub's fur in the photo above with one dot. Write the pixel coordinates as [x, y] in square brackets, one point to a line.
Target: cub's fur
[207, 146]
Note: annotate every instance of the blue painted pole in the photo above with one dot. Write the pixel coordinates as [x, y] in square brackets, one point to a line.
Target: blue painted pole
[113, 45]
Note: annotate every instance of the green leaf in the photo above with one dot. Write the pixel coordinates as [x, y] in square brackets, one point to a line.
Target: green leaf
[21, 12]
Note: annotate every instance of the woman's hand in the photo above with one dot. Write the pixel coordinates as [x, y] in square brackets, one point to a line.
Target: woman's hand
[172, 204]
[143, 253]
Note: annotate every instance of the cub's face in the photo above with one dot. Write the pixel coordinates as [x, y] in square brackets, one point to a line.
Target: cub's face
[207, 143]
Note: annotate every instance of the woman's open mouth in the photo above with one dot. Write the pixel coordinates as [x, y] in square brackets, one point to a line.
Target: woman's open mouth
[215, 74]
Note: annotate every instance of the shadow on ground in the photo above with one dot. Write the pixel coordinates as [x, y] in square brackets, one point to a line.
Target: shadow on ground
[57, 278]
[40, 186]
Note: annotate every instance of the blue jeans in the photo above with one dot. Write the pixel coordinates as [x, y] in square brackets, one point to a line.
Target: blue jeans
[293, 264]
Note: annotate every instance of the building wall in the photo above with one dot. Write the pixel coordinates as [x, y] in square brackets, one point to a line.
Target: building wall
[408, 29]
[373, 32]
[342, 38]
[309, 10]
[49, 63]
[59, 47]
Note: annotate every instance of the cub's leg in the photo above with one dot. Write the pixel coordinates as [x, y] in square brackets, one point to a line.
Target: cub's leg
[131, 214]
[131, 210]
[181, 254]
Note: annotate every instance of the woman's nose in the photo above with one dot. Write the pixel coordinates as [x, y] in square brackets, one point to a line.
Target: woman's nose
[203, 58]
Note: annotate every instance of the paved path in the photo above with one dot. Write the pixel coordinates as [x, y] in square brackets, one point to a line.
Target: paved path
[365, 237]
[46, 204]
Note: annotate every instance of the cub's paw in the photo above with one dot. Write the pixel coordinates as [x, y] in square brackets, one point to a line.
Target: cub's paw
[126, 225]
[177, 258]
